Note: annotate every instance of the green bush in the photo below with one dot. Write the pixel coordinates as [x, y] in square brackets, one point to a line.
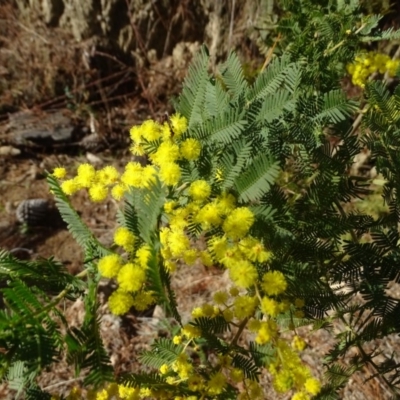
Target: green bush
[251, 178]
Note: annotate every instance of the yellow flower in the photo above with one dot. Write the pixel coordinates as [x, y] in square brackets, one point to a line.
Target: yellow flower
[164, 369]
[190, 256]
[178, 243]
[131, 278]
[137, 149]
[208, 216]
[169, 206]
[86, 175]
[237, 375]
[110, 265]
[170, 173]
[132, 175]
[300, 396]
[129, 393]
[244, 306]
[143, 300]
[136, 134]
[70, 187]
[254, 250]
[118, 191]
[216, 384]
[238, 222]
[102, 395]
[220, 297]
[98, 192]
[120, 302]
[108, 175]
[243, 274]
[150, 130]
[274, 283]
[167, 152]
[268, 330]
[226, 203]
[228, 315]
[218, 246]
[199, 190]
[195, 383]
[179, 124]
[190, 149]
[298, 343]
[269, 306]
[143, 255]
[177, 339]
[191, 331]
[125, 238]
[312, 386]
[206, 258]
[59, 172]
[149, 176]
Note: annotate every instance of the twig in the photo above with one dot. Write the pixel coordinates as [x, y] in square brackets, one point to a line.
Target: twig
[63, 383]
[231, 24]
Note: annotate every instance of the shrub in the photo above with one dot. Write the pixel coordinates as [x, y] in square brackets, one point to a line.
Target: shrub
[251, 178]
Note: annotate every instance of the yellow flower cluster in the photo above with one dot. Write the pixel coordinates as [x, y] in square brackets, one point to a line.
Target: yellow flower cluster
[289, 372]
[191, 214]
[237, 309]
[233, 247]
[130, 276]
[367, 64]
[161, 142]
[112, 391]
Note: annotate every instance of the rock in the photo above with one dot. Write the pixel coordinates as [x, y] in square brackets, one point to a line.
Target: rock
[39, 127]
[9, 151]
[33, 212]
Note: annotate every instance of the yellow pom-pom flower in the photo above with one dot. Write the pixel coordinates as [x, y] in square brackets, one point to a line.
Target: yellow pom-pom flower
[132, 175]
[120, 302]
[131, 277]
[143, 255]
[274, 283]
[70, 186]
[179, 124]
[243, 274]
[238, 222]
[110, 265]
[86, 175]
[150, 130]
[59, 172]
[143, 300]
[216, 384]
[209, 215]
[125, 238]
[98, 192]
[200, 190]
[136, 134]
[270, 306]
[108, 175]
[244, 306]
[118, 191]
[170, 173]
[312, 386]
[167, 152]
[190, 149]
[298, 343]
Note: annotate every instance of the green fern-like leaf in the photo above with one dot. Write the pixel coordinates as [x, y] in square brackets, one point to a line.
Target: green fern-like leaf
[191, 100]
[257, 179]
[78, 229]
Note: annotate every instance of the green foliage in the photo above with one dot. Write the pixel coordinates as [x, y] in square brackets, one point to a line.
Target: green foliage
[282, 147]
